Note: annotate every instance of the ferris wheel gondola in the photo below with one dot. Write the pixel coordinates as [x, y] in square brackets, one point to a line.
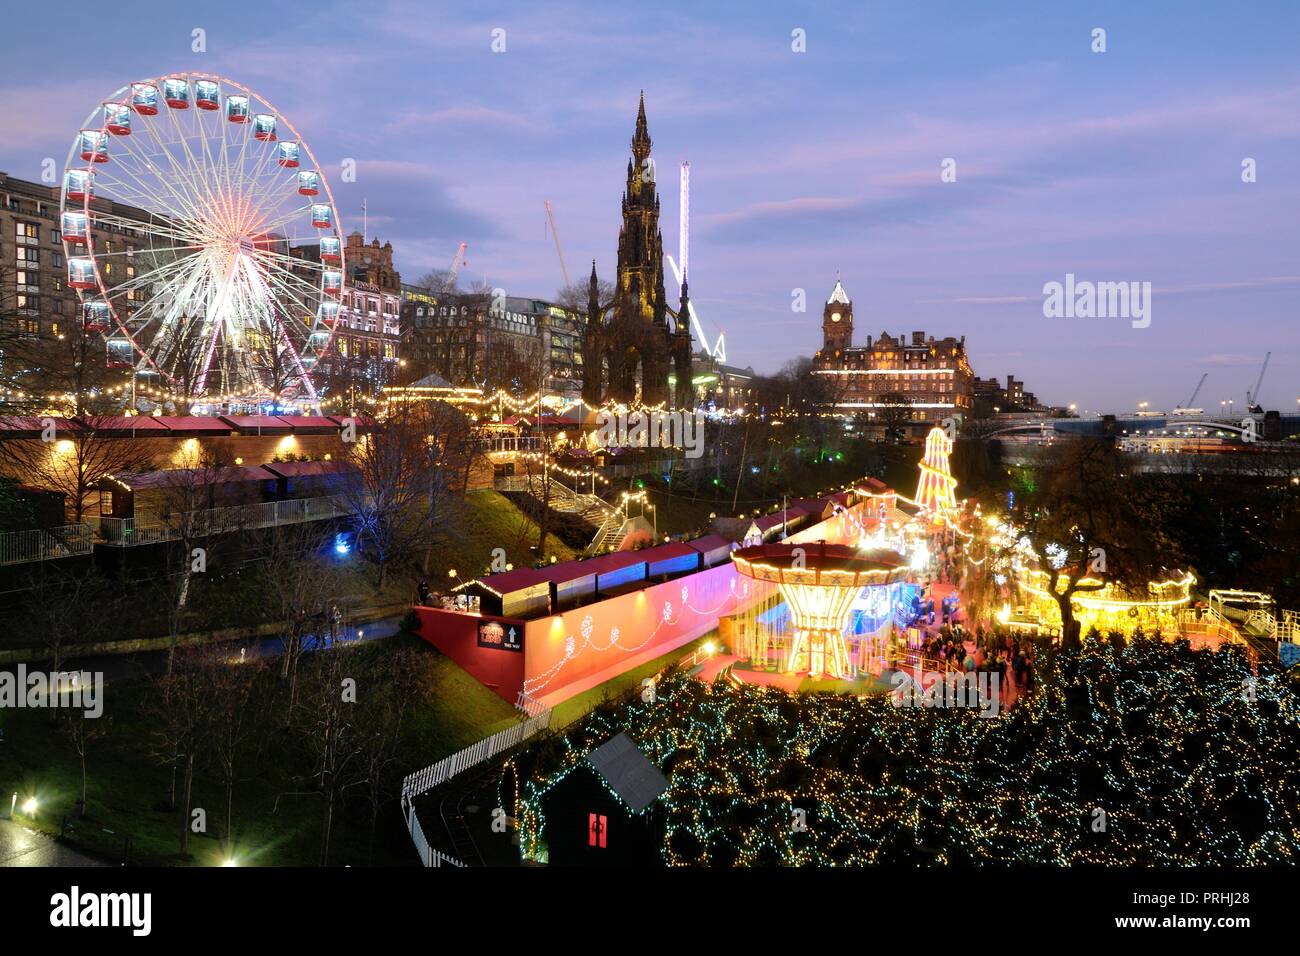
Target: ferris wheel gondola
[206, 182]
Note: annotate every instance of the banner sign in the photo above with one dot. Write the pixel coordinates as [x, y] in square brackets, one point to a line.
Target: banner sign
[499, 636]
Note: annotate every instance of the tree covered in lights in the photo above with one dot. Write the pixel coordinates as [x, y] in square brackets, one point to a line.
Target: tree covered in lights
[1096, 524]
[1179, 758]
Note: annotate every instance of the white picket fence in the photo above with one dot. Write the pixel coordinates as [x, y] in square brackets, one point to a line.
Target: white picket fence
[529, 705]
[439, 773]
[693, 658]
[428, 855]
[425, 780]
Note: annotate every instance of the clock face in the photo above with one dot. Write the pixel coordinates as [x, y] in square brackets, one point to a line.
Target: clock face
[835, 316]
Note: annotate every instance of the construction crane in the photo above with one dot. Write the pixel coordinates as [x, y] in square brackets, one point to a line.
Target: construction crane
[457, 261]
[550, 218]
[1186, 408]
[1252, 396]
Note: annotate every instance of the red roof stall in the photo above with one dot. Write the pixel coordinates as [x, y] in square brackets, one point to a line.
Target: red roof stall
[673, 558]
[124, 426]
[258, 424]
[33, 426]
[617, 569]
[152, 495]
[193, 426]
[576, 581]
[523, 592]
[309, 479]
[714, 548]
[819, 509]
[310, 424]
[772, 526]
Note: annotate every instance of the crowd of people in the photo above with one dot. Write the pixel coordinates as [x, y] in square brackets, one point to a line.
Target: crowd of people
[953, 647]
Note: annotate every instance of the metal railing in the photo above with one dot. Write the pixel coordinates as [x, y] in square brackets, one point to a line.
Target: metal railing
[127, 532]
[511, 443]
[607, 535]
[1263, 619]
[45, 544]
[1286, 628]
[1211, 623]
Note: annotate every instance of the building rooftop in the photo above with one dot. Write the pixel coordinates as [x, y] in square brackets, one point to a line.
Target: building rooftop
[628, 772]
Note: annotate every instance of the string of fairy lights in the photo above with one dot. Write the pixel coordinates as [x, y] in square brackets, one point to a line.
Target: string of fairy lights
[1180, 765]
[1131, 751]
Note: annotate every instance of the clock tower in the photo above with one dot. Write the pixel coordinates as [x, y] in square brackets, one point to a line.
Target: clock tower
[837, 321]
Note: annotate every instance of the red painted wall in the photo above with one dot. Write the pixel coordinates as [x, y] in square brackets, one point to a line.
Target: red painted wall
[573, 651]
[456, 635]
[567, 653]
[570, 652]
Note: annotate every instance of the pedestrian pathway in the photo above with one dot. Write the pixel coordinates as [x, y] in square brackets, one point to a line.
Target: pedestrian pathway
[20, 846]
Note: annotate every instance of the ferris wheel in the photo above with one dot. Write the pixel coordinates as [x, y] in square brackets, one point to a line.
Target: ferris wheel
[217, 267]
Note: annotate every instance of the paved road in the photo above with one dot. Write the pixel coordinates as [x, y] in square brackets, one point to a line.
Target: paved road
[119, 666]
[20, 846]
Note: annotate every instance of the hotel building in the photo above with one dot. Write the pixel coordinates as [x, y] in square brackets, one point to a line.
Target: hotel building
[928, 378]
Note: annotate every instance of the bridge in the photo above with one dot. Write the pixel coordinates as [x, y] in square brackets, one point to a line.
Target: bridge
[1166, 427]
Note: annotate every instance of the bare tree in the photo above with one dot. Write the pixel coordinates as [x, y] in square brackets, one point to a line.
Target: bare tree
[82, 731]
[407, 467]
[302, 587]
[75, 458]
[395, 686]
[895, 416]
[180, 710]
[191, 528]
[65, 372]
[327, 717]
[575, 296]
[235, 719]
[65, 609]
[529, 378]
[183, 351]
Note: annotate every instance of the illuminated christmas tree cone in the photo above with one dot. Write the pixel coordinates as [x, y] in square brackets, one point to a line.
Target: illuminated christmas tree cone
[819, 583]
[936, 487]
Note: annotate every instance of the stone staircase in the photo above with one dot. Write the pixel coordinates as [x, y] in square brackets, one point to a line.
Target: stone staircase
[591, 508]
